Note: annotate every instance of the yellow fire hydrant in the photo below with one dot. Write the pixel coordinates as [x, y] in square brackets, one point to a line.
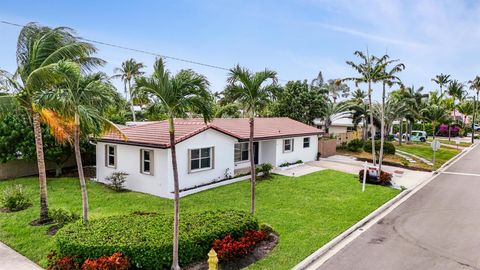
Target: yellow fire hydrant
[212, 260]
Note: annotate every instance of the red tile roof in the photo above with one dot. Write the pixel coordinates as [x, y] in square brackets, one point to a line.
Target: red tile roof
[155, 134]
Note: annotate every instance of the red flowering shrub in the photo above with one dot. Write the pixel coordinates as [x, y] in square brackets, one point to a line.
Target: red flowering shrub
[385, 178]
[229, 248]
[115, 262]
[61, 263]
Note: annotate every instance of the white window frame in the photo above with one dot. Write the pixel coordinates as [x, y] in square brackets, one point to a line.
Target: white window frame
[248, 151]
[108, 155]
[150, 160]
[308, 142]
[291, 145]
[212, 159]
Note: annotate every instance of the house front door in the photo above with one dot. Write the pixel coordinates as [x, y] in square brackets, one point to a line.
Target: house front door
[255, 152]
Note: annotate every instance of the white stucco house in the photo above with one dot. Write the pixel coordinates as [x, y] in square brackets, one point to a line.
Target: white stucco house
[206, 153]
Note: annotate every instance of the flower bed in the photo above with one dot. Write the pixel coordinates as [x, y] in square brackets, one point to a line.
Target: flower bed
[146, 239]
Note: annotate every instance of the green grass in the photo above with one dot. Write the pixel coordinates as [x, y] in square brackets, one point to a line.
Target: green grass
[425, 151]
[307, 211]
[451, 142]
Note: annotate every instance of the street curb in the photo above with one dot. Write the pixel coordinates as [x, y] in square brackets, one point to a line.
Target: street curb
[330, 245]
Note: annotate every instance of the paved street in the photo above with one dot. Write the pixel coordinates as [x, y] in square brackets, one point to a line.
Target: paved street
[437, 228]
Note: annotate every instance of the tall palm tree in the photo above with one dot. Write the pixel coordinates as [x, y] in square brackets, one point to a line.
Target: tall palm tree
[79, 103]
[389, 79]
[441, 80]
[456, 91]
[39, 50]
[252, 90]
[179, 94]
[370, 71]
[130, 70]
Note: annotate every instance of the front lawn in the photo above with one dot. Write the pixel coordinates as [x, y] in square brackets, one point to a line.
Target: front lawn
[425, 151]
[307, 211]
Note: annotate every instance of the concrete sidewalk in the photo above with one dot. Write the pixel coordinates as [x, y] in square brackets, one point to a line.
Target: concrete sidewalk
[12, 260]
[408, 179]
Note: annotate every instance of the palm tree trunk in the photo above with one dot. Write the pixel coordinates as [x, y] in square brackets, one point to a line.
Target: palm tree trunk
[131, 101]
[176, 203]
[252, 164]
[42, 176]
[382, 130]
[372, 132]
[400, 129]
[81, 176]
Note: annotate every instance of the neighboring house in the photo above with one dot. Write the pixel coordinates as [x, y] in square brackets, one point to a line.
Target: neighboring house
[206, 153]
[338, 126]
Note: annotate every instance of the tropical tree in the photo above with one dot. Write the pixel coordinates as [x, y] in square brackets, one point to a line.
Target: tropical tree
[334, 111]
[180, 94]
[252, 90]
[456, 91]
[39, 51]
[370, 70]
[475, 86]
[79, 104]
[130, 70]
[337, 89]
[435, 114]
[359, 108]
[466, 108]
[299, 101]
[389, 79]
[441, 80]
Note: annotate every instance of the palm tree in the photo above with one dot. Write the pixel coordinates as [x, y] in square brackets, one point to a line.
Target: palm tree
[456, 91]
[334, 111]
[435, 114]
[390, 79]
[466, 108]
[130, 70]
[359, 110]
[181, 94]
[39, 51]
[475, 86]
[79, 101]
[253, 91]
[370, 71]
[442, 80]
[337, 89]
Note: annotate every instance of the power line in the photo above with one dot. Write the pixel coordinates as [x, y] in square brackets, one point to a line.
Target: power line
[136, 50]
[140, 51]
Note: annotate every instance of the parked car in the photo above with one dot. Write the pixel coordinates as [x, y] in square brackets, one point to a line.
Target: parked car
[417, 136]
[476, 127]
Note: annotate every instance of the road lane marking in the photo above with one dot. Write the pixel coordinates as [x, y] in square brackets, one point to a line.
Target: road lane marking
[460, 173]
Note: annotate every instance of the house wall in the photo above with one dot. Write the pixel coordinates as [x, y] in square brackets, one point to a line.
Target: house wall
[267, 152]
[223, 158]
[337, 129]
[298, 153]
[128, 160]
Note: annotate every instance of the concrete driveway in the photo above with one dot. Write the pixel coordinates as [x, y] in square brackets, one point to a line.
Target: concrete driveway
[437, 228]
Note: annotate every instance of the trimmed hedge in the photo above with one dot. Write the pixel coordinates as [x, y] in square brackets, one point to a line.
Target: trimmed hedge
[388, 147]
[147, 238]
[355, 145]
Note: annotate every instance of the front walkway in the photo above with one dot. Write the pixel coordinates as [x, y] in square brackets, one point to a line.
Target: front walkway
[12, 260]
[298, 171]
[408, 179]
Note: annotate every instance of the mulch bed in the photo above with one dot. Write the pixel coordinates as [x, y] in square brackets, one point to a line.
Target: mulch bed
[260, 251]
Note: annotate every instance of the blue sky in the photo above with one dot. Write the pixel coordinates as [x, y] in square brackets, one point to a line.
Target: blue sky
[294, 38]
